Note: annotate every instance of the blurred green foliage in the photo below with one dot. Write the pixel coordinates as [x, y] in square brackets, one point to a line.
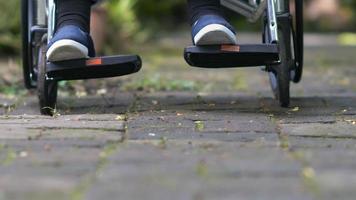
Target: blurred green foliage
[9, 26]
[123, 24]
[130, 17]
[350, 6]
[167, 12]
[122, 16]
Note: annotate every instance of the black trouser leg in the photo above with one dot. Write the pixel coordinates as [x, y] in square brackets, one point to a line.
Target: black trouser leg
[73, 12]
[197, 8]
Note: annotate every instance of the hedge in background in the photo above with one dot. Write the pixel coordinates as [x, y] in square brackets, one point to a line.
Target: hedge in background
[9, 26]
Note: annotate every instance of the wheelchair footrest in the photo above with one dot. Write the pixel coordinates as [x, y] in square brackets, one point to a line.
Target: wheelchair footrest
[228, 56]
[99, 67]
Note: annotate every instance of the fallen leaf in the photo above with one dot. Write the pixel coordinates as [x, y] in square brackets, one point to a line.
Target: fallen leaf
[295, 109]
[120, 118]
[199, 125]
[23, 154]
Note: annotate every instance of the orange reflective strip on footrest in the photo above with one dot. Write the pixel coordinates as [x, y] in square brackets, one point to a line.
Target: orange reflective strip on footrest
[230, 48]
[94, 61]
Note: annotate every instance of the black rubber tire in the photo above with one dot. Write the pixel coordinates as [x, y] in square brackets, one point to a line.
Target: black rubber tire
[299, 42]
[26, 23]
[279, 75]
[47, 89]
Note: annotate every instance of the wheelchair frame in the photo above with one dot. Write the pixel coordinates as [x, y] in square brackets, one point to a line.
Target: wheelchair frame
[254, 9]
[282, 36]
[38, 23]
[281, 51]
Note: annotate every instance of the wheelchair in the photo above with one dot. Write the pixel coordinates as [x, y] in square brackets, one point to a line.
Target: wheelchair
[281, 50]
[38, 24]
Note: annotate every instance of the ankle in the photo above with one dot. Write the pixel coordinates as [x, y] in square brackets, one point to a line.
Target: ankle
[74, 12]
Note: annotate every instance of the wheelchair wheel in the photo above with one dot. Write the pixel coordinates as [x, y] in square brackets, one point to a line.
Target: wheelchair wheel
[47, 89]
[26, 24]
[279, 75]
[298, 34]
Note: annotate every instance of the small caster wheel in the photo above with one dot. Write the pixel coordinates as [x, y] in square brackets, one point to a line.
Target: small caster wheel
[279, 75]
[298, 38]
[46, 88]
[280, 86]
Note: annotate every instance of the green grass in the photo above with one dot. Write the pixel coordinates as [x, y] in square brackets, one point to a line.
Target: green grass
[199, 126]
[156, 82]
[10, 156]
[12, 90]
[79, 191]
[202, 169]
[240, 82]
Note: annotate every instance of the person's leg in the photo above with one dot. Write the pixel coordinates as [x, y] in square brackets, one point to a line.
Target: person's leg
[73, 12]
[198, 8]
[71, 39]
[209, 26]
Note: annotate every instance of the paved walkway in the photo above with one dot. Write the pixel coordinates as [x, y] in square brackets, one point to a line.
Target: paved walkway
[218, 134]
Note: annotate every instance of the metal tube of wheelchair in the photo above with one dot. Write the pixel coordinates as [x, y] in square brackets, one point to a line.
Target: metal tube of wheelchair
[239, 7]
[40, 12]
[259, 12]
[272, 21]
[282, 6]
[51, 12]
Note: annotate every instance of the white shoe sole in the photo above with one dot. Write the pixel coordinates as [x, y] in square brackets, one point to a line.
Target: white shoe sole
[66, 50]
[215, 34]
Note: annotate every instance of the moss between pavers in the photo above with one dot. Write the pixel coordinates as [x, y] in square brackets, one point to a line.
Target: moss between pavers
[78, 192]
[199, 126]
[240, 82]
[307, 173]
[9, 155]
[155, 82]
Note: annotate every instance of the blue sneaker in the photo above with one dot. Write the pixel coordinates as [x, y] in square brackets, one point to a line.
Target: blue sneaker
[68, 43]
[213, 30]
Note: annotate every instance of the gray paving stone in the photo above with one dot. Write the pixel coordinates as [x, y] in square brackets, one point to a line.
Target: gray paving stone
[337, 184]
[331, 159]
[334, 171]
[66, 122]
[307, 119]
[213, 121]
[106, 104]
[144, 170]
[199, 102]
[244, 139]
[334, 130]
[297, 142]
[55, 170]
[223, 126]
[53, 143]
[16, 132]
[46, 171]
[56, 194]
[168, 188]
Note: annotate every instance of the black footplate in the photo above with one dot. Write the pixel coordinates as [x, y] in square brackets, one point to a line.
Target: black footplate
[228, 56]
[91, 68]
